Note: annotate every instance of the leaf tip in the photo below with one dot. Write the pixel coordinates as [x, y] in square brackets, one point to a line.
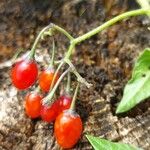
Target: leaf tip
[118, 110]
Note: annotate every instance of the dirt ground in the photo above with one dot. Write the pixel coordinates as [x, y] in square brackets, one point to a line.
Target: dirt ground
[105, 60]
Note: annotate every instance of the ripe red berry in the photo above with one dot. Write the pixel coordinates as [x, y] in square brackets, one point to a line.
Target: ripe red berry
[33, 105]
[49, 113]
[68, 128]
[24, 74]
[46, 78]
[64, 102]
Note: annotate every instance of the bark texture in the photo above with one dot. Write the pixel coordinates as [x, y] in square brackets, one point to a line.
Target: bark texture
[106, 60]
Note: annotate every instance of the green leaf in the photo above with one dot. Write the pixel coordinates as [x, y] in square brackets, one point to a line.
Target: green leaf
[138, 88]
[102, 144]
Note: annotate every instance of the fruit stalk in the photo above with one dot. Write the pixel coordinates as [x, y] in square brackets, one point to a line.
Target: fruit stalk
[110, 23]
[53, 55]
[32, 52]
[48, 99]
[72, 107]
[75, 41]
[68, 84]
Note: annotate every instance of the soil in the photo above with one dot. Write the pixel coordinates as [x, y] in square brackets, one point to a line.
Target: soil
[105, 60]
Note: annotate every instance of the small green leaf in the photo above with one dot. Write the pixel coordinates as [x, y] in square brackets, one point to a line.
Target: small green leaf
[102, 144]
[138, 88]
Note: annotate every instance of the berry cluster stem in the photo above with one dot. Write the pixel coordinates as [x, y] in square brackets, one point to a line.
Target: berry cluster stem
[72, 107]
[55, 27]
[74, 42]
[79, 78]
[68, 84]
[32, 52]
[51, 64]
[110, 23]
[56, 72]
[48, 99]
[16, 55]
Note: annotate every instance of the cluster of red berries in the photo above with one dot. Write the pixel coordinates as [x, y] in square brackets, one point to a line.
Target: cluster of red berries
[68, 124]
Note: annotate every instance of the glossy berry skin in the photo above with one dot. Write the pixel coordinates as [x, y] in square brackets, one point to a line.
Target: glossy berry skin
[64, 102]
[24, 73]
[33, 103]
[68, 128]
[49, 113]
[46, 78]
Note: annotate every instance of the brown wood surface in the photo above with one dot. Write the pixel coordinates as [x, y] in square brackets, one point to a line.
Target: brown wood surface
[105, 60]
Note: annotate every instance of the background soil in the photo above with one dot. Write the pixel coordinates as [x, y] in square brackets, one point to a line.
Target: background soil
[105, 60]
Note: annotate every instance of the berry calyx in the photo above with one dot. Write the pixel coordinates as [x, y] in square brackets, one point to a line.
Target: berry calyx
[24, 73]
[68, 128]
[33, 105]
[46, 79]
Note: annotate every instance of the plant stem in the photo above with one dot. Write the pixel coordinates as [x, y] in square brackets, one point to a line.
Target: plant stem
[32, 52]
[69, 52]
[16, 55]
[102, 27]
[56, 73]
[72, 107]
[62, 31]
[62, 63]
[53, 55]
[74, 42]
[68, 84]
[48, 99]
[79, 78]
[110, 23]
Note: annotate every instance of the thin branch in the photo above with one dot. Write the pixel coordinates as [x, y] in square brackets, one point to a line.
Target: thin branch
[79, 78]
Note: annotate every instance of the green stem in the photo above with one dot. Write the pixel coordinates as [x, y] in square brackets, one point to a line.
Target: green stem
[79, 39]
[56, 73]
[102, 27]
[61, 64]
[110, 23]
[16, 55]
[72, 107]
[53, 55]
[48, 99]
[68, 84]
[79, 78]
[69, 52]
[62, 31]
[32, 52]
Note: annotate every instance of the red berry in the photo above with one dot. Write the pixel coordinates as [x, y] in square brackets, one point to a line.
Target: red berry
[24, 74]
[68, 129]
[49, 113]
[64, 102]
[46, 78]
[33, 105]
